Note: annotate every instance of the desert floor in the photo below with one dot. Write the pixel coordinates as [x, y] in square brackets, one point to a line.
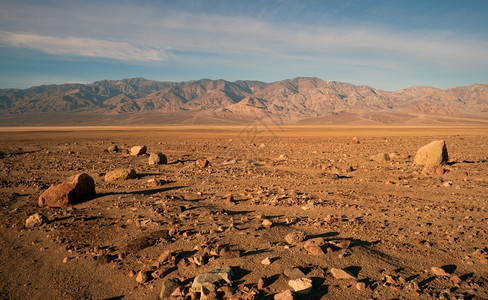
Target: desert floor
[386, 223]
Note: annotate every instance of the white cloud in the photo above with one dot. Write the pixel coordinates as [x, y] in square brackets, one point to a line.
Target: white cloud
[77, 46]
[223, 34]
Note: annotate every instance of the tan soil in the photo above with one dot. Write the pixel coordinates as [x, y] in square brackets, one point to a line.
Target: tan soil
[399, 222]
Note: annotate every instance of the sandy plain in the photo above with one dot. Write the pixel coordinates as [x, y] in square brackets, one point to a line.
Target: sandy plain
[386, 223]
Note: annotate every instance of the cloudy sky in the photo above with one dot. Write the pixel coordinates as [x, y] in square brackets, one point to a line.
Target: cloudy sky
[389, 44]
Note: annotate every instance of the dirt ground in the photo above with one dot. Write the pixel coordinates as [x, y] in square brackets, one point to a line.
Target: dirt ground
[385, 223]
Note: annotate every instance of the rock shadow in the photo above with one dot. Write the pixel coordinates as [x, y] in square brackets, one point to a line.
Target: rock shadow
[147, 192]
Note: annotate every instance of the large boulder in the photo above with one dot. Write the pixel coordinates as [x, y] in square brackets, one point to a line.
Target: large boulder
[432, 155]
[120, 174]
[75, 189]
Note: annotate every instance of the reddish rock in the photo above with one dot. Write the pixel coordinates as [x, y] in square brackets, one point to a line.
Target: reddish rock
[73, 190]
[138, 150]
[439, 271]
[354, 141]
[285, 295]
[267, 223]
[313, 249]
[440, 170]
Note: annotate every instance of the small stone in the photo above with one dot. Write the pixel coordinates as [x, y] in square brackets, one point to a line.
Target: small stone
[285, 295]
[354, 141]
[113, 148]
[260, 283]
[439, 271]
[360, 286]
[65, 260]
[229, 200]
[229, 254]
[313, 249]
[214, 275]
[344, 244]
[301, 285]
[35, 220]
[267, 223]
[266, 261]
[455, 279]
[380, 157]
[208, 291]
[428, 171]
[165, 256]
[73, 190]
[319, 241]
[157, 159]
[293, 273]
[120, 174]
[168, 287]
[295, 237]
[202, 163]
[341, 274]
[138, 150]
[143, 276]
[440, 170]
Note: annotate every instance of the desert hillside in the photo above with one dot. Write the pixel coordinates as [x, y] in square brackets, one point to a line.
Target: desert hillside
[299, 100]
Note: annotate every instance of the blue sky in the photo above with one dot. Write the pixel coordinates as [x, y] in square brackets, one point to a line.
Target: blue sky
[388, 45]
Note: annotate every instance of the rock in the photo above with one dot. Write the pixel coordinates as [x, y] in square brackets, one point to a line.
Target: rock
[341, 274]
[168, 287]
[73, 190]
[157, 159]
[313, 249]
[432, 155]
[143, 276]
[301, 285]
[319, 241]
[380, 157]
[113, 148]
[35, 220]
[214, 275]
[293, 273]
[439, 271]
[267, 223]
[208, 291]
[282, 157]
[138, 150]
[428, 171]
[295, 237]
[120, 174]
[285, 295]
[344, 244]
[165, 256]
[202, 163]
[354, 141]
[225, 253]
[455, 279]
[440, 170]
[266, 261]
[260, 283]
[229, 200]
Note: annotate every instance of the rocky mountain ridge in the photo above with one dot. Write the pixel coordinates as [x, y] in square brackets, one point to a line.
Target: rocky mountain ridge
[292, 100]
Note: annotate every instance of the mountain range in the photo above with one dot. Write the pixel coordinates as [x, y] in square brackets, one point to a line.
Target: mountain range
[294, 101]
